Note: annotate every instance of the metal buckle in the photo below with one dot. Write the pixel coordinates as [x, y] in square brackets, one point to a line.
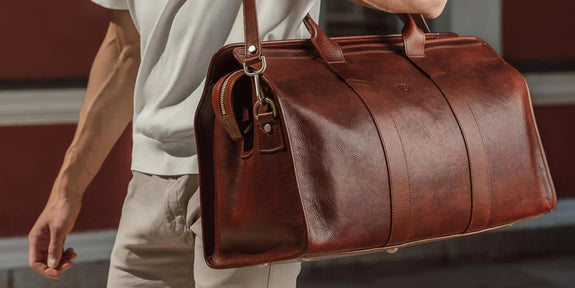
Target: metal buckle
[259, 93]
[259, 71]
[260, 103]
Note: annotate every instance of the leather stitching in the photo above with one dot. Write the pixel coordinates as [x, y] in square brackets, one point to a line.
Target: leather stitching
[548, 194]
[409, 218]
[275, 148]
[489, 189]
[388, 162]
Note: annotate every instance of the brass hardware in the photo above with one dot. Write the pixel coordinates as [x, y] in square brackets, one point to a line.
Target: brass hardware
[263, 265]
[256, 76]
[392, 250]
[307, 259]
[260, 71]
[262, 102]
[268, 128]
[252, 49]
[259, 94]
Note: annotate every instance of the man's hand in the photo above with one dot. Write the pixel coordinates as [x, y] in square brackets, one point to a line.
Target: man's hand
[428, 8]
[106, 111]
[46, 238]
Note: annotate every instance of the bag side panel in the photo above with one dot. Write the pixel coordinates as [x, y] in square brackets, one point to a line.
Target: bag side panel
[520, 184]
[337, 152]
[251, 211]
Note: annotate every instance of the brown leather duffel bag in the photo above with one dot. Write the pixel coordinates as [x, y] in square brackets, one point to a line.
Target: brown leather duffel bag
[322, 147]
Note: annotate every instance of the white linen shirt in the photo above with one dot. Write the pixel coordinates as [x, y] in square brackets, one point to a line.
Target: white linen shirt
[178, 39]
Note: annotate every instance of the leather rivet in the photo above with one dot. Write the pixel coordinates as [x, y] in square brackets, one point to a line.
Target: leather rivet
[392, 250]
[268, 128]
[252, 49]
[263, 265]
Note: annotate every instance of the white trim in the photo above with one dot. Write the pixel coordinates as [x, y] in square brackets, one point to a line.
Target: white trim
[62, 106]
[482, 19]
[552, 88]
[90, 246]
[40, 106]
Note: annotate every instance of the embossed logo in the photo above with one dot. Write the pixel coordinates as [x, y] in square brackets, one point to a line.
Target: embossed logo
[403, 87]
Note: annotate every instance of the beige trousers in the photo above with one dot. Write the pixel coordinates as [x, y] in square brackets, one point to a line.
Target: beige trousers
[159, 242]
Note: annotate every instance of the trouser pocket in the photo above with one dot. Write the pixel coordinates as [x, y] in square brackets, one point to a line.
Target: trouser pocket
[181, 204]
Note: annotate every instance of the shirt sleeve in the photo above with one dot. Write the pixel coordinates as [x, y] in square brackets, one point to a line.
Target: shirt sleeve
[113, 4]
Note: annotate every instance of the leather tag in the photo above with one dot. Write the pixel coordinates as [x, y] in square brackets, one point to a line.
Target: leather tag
[270, 134]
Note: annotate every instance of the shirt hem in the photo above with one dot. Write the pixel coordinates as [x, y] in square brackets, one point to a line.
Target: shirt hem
[112, 4]
[149, 157]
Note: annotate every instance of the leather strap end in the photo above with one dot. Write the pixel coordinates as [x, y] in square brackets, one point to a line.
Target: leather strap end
[413, 37]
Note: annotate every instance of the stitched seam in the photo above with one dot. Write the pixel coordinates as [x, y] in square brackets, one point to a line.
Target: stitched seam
[534, 130]
[357, 81]
[385, 153]
[274, 53]
[465, 141]
[490, 191]
[245, 28]
[409, 220]
[467, 149]
[271, 149]
[489, 195]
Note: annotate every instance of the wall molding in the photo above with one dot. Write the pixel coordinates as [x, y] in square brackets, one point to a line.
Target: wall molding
[91, 246]
[556, 88]
[40, 106]
[62, 106]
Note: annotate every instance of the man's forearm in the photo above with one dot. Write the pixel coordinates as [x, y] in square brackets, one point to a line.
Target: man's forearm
[106, 111]
[428, 8]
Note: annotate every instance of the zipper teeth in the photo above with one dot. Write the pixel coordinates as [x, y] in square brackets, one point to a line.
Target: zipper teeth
[223, 91]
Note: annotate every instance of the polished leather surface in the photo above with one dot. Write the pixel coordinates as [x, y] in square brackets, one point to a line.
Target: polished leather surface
[379, 142]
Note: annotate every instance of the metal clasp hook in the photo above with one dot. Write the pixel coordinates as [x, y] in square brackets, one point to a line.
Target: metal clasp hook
[262, 100]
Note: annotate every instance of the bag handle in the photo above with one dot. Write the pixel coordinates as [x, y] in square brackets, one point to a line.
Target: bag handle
[413, 33]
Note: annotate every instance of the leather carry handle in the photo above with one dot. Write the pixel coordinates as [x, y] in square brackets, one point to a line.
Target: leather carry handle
[413, 33]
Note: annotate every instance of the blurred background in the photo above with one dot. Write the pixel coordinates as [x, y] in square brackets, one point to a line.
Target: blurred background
[45, 58]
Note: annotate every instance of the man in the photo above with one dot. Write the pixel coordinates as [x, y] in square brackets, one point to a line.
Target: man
[150, 70]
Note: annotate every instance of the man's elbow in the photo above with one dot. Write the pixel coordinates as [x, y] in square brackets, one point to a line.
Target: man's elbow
[130, 53]
[126, 36]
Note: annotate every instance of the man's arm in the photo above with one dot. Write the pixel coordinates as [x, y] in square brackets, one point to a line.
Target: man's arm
[106, 111]
[428, 8]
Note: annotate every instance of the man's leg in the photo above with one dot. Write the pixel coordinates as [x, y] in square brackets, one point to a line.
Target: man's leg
[159, 242]
[151, 249]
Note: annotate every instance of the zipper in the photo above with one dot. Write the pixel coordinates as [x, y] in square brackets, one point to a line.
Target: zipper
[223, 91]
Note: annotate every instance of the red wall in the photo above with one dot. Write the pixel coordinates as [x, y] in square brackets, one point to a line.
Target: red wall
[49, 39]
[538, 31]
[30, 159]
[557, 130]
